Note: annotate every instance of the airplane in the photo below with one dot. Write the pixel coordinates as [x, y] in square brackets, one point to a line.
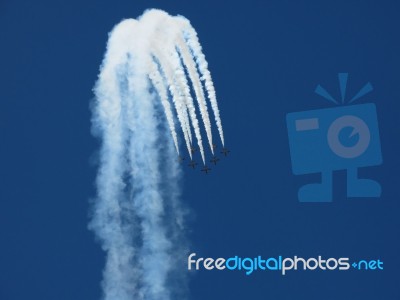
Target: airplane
[180, 159]
[206, 169]
[214, 160]
[225, 151]
[192, 164]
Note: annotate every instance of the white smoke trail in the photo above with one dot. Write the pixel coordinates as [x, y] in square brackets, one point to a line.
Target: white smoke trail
[119, 276]
[146, 176]
[194, 44]
[158, 83]
[198, 90]
[176, 98]
[173, 32]
[137, 215]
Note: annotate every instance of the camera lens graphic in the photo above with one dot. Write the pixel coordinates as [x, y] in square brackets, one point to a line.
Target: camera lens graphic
[359, 127]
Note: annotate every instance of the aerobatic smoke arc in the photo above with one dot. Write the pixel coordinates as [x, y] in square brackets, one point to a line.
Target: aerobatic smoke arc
[153, 79]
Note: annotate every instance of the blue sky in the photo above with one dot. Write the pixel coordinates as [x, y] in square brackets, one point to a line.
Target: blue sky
[266, 58]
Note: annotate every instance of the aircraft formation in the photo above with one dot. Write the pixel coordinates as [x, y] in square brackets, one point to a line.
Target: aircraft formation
[214, 160]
